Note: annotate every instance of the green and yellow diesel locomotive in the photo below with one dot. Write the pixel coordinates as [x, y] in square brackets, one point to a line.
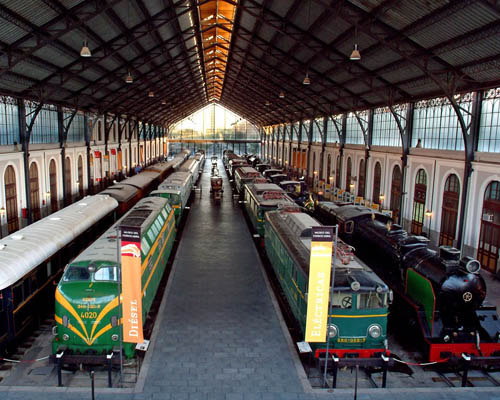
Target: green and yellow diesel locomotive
[86, 312]
[358, 323]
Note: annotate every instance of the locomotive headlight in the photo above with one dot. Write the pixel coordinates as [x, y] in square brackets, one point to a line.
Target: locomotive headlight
[332, 331]
[470, 265]
[114, 337]
[65, 336]
[375, 331]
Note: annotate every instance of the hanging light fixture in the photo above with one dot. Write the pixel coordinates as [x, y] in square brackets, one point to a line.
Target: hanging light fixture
[306, 80]
[268, 103]
[163, 102]
[85, 51]
[355, 55]
[282, 95]
[129, 78]
[151, 94]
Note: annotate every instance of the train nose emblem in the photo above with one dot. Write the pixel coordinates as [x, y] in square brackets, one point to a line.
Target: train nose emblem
[467, 296]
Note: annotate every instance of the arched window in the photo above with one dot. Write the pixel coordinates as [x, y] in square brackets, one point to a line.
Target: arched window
[417, 221]
[348, 173]
[11, 199]
[361, 179]
[92, 173]
[53, 186]
[314, 171]
[34, 192]
[99, 130]
[283, 153]
[337, 172]
[489, 237]
[396, 192]
[329, 168]
[106, 165]
[67, 171]
[377, 174]
[80, 176]
[449, 212]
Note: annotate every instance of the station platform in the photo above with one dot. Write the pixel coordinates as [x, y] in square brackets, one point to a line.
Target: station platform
[219, 333]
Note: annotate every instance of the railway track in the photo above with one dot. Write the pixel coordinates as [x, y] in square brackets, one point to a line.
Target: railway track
[474, 378]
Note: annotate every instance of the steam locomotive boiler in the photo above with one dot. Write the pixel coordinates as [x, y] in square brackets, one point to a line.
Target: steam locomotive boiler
[437, 294]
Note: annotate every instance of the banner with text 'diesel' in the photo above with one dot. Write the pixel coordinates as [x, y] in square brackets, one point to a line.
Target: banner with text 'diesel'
[319, 283]
[131, 285]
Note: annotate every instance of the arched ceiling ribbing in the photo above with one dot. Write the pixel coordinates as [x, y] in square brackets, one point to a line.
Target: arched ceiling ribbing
[251, 56]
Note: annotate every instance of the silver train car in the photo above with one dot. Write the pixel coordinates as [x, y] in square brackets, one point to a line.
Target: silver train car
[34, 257]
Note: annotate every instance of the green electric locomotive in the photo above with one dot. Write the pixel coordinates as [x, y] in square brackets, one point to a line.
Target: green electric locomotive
[358, 323]
[87, 312]
[261, 198]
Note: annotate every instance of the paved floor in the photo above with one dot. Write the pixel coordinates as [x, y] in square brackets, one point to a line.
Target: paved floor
[220, 337]
[219, 334]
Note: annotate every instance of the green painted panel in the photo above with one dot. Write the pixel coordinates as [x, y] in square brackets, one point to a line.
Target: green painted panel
[420, 290]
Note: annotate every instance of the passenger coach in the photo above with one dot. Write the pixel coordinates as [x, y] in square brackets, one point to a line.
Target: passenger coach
[32, 258]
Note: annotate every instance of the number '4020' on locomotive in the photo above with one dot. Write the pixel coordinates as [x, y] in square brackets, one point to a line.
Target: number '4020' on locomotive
[358, 324]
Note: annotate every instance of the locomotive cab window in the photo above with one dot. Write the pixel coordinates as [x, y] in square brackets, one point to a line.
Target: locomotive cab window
[174, 199]
[76, 273]
[372, 300]
[342, 300]
[107, 273]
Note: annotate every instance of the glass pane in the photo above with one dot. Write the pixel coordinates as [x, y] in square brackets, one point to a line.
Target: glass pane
[76, 273]
[106, 274]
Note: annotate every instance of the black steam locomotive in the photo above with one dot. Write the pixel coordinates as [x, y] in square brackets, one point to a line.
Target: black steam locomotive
[437, 294]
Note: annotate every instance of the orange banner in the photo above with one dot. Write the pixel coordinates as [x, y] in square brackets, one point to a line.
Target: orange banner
[131, 285]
